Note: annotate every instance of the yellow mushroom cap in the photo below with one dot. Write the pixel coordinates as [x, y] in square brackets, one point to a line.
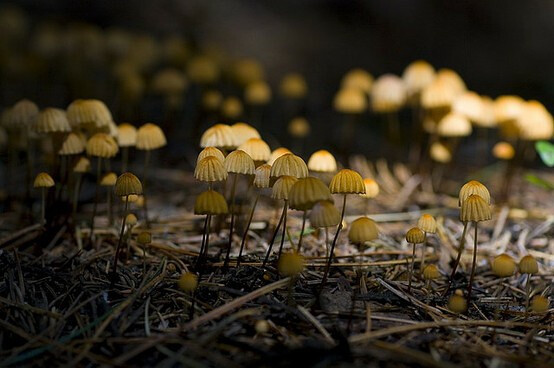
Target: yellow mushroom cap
[261, 326]
[291, 264]
[127, 184]
[219, 135]
[169, 81]
[126, 135]
[431, 272]
[347, 181]
[475, 209]
[150, 137]
[306, 192]
[109, 179]
[503, 151]
[503, 265]
[52, 120]
[322, 161]
[299, 127]
[243, 132]
[473, 187]
[289, 164]
[231, 108]
[350, 101]
[102, 145]
[454, 125]
[440, 153]
[22, 115]
[88, 114]
[468, 104]
[486, 117]
[528, 264]
[43, 180]
[257, 93]
[131, 219]
[535, 122]
[540, 304]
[144, 238]
[239, 162]
[282, 186]
[415, 236]
[508, 108]
[82, 165]
[427, 223]
[438, 94]
[246, 71]
[357, 78]
[278, 152]
[457, 303]
[371, 188]
[451, 78]
[210, 151]
[362, 230]
[418, 75]
[72, 145]
[211, 100]
[293, 86]
[256, 148]
[388, 94]
[210, 202]
[203, 69]
[324, 214]
[188, 282]
[262, 174]
[210, 169]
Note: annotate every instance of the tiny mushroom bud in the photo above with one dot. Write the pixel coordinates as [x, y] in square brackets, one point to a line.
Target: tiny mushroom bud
[188, 282]
[540, 304]
[457, 303]
[503, 265]
[291, 264]
[144, 238]
[529, 265]
[431, 272]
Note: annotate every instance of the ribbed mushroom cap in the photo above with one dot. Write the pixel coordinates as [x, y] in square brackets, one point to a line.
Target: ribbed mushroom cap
[457, 303]
[347, 181]
[289, 164]
[503, 265]
[169, 81]
[503, 151]
[239, 162]
[299, 127]
[210, 169]
[291, 264]
[350, 101]
[52, 120]
[454, 125]
[188, 282]
[210, 202]
[88, 114]
[220, 136]
[257, 149]
[324, 214]
[469, 104]
[473, 187]
[528, 264]
[535, 122]
[244, 132]
[362, 230]
[262, 174]
[540, 304]
[82, 166]
[371, 188]
[306, 192]
[22, 115]
[144, 238]
[415, 236]
[357, 78]
[427, 223]
[127, 184]
[322, 161]
[102, 145]
[126, 135]
[210, 151]
[431, 272]
[388, 94]
[231, 108]
[440, 153]
[43, 180]
[281, 187]
[276, 153]
[203, 69]
[475, 209]
[257, 93]
[211, 100]
[108, 180]
[293, 86]
[150, 137]
[72, 145]
[418, 75]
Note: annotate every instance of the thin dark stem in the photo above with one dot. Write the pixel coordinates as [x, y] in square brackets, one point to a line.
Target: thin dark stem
[245, 235]
[43, 207]
[201, 265]
[200, 254]
[423, 246]
[327, 242]
[274, 235]
[119, 242]
[302, 231]
[328, 266]
[232, 225]
[144, 177]
[460, 251]
[411, 271]
[97, 194]
[76, 197]
[283, 236]
[470, 286]
[527, 292]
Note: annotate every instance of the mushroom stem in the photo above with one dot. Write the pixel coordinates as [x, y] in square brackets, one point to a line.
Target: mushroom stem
[43, 207]
[283, 214]
[29, 162]
[76, 196]
[201, 269]
[121, 234]
[411, 271]
[339, 228]
[232, 225]
[124, 158]
[527, 292]
[326, 242]
[423, 246]
[460, 251]
[243, 241]
[283, 236]
[470, 286]
[95, 205]
[200, 254]
[144, 177]
[302, 231]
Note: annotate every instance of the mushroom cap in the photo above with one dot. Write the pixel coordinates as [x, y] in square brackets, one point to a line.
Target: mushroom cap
[82, 165]
[347, 181]
[276, 153]
[247, 70]
[427, 223]
[454, 125]
[262, 174]
[169, 81]
[440, 153]
[415, 236]
[210, 151]
[88, 114]
[508, 107]
[291, 264]
[362, 230]
[503, 265]
[293, 86]
[322, 161]
[486, 118]
[109, 179]
[211, 100]
[431, 272]
[257, 149]
[43, 180]
[210, 202]
[438, 94]
[131, 219]
[503, 151]
[72, 145]
[299, 127]
[52, 120]
[350, 101]
[468, 104]
[475, 209]
[306, 192]
[210, 169]
[457, 303]
[231, 108]
[535, 122]
[220, 136]
[371, 188]
[239, 162]
[474, 187]
[281, 187]
[528, 264]
[150, 137]
[102, 145]
[540, 304]
[144, 238]
[418, 75]
[453, 79]
[289, 164]
[388, 94]
[243, 132]
[188, 282]
[257, 93]
[357, 78]
[126, 135]
[22, 115]
[324, 214]
[127, 184]
[203, 69]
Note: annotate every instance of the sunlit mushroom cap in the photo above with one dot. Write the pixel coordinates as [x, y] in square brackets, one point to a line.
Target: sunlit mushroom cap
[210, 151]
[210, 202]
[257, 93]
[324, 214]
[88, 114]
[454, 125]
[438, 94]
[262, 174]
[528, 264]
[126, 135]
[150, 137]
[188, 282]
[362, 230]
[503, 265]
[508, 107]
[291, 264]
[347, 181]
[256, 148]
[418, 75]
[486, 118]
[431, 272]
[475, 209]
[291, 165]
[52, 120]
[220, 136]
[440, 153]
[211, 100]
[535, 122]
[22, 115]
[82, 165]
[127, 184]
[131, 219]
[276, 153]
[43, 180]
[322, 161]
[453, 79]
[169, 81]
[293, 86]
[299, 127]
[72, 145]
[109, 179]
[281, 187]
[357, 78]
[427, 223]
[246, 71]
[415, 235]
[350, 101]
[468, 104]
[306, 192]
[144, 238]
[371, 188]
[231, 108]
[457, 303]
[244, 132]
[473, 187]
[239, 162]
[210, 169]
[540, 304]
[503, 151]
[102, 145]
[203, 69]
[388, 94]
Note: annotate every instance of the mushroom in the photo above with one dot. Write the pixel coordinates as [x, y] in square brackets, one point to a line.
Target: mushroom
[126, 138]
[428, 225]
[109, 180]
[324, 215]
[528, 265]
[43, 181]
